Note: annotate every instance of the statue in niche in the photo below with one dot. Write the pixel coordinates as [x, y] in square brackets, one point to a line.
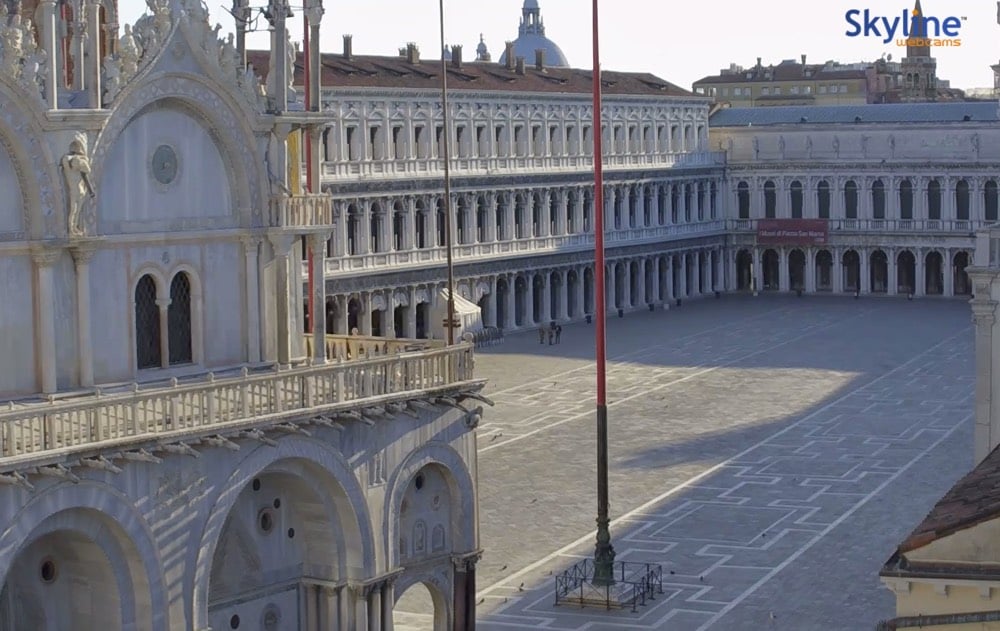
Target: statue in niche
[292, 52]
[781, 146]
[836, 146]
[975, 144]
[892, 146]
[437, 539]
[33, 67]
[756, 147]
[129, 54]
[809, 146]
[211, 45]
[152, 28]
[13, 47]
[76, 170]
[419, 537]
[112, 78]
[229, 58]
[864, 146]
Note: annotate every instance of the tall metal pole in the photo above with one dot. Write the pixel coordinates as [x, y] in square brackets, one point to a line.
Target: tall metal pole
[604, 553]
[450, 324]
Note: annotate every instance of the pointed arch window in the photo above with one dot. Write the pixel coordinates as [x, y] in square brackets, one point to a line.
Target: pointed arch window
[147, 324]
[179, 320]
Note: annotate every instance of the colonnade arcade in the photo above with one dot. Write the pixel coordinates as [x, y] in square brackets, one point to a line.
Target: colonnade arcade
[920, 271]
[869, 197]
[382, 224]
[525, 299]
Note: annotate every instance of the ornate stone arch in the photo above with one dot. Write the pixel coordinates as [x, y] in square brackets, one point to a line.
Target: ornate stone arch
[36, 169]
[87, 506]
[308, 450]
[222, 118]
[463, 493]
[439, 582]
[162, 284]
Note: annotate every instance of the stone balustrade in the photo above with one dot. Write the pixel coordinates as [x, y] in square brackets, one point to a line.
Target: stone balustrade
[915, 226]
[483, 166]
[352, 347]
[33, 432]
[301, 211]
[338, 266]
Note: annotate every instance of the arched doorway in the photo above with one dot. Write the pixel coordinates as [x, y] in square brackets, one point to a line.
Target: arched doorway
[744, 270]
[771, 269]
[852, 271]
[353, 315]
[520, 300]
[399, 321]
[423, 320]
[537, 296]
[934, 274]
[797, 270]
[502, 301]
[675, 268]
[961, 279]
[484, 310]
[620, 270]
[906, 272]
[824, 271]
[572, 290]
[332, 312]
[556, 294]
[879, 272]
[633, 284]
[294, 521]
[421, 606]
[588, 290]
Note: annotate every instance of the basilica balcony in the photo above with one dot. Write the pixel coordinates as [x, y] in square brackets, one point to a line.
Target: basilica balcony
[301, 212]
[469, 166]
[141, 419]
[505, 249]
[349, 347]
[955, 227]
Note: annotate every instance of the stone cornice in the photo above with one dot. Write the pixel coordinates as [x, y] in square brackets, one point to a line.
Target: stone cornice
[331, 93]
[872, 164]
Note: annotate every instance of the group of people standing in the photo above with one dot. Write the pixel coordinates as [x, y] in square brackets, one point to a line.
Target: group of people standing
[553, 331]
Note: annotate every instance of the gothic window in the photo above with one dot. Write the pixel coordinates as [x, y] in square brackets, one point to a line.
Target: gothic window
[851, 200]
[713, 195]
[743, 199]
[441, 226]
[823, 199]
[675, 202]
[398, 225]
[688, 199]
[934, 200]
[421, 228]
[481, 220]
[962, 200]
[701, 201]
[796, 199]
[770, 200]
[352, 229]
[375, 229]
[179, 320]
[147, 324]
[991, 200]
[905, 200]
[878, 200]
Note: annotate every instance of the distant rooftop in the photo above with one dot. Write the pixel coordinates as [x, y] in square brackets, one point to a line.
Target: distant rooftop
[368, 71]
[787, 70]
[981, 111]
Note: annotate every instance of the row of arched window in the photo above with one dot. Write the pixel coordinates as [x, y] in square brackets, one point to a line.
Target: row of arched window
[879, 197]
[150, 346]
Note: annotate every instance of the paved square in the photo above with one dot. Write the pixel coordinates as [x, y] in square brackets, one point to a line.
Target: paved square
[768, 452]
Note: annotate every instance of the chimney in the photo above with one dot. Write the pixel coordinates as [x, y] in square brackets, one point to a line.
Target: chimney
[347, 47]
[519, 67]
[540, 59]
[803, 60]
[758, 62]
[509, 55]
[456, 56]
[412, 54]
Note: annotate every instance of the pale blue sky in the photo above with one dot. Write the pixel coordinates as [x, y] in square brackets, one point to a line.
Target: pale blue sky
[678, 40]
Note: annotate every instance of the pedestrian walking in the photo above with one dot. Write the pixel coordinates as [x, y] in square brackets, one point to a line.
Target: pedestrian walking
[541, 335]
[552, 334]
[558, 333]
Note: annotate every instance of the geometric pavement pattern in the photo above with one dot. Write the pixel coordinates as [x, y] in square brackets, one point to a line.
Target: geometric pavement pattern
[768, 453]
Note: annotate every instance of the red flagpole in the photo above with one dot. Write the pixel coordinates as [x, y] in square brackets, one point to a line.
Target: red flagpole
[604, 553]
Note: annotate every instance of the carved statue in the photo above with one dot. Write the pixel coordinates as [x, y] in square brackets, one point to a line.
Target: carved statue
[129, 54]
[975, 144]
[229, 59]
[12, 40]
[781, 146]
[892, 146]
[809, 146]
[292, 53]
[756, 147]
[836, 146]
[112, 78]
[76, 170]
[864, 145]
[211, 45]
[33, 67]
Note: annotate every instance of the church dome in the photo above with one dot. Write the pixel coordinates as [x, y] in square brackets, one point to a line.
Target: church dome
[531, 37]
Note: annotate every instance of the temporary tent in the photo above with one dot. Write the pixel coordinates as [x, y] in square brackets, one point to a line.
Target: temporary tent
[468, 313]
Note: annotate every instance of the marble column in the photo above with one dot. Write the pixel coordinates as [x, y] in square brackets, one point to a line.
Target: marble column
[810, 272]
[388, 598]
[50, 43]
[317, 243]
[252, 307]
[563, 313]
[947, 270]
[682, 290]
[864, 283]
[410, 314]
[627, 285]
[757, 280]
[670, 278]
[837, 270]
[655, 298]
[328, 608]
[892, 283]
[282, 288]
[374, 608]
[343, 317]
[580, 303]
[610, 298]
[46, 317]
[921, 272]
[511, 317]
[85, 349]
[987, 430]
[164, 306]
[783, 277]
[545, 314]
[93, 57]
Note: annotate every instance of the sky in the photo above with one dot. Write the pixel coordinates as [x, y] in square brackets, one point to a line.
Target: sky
[677, 40]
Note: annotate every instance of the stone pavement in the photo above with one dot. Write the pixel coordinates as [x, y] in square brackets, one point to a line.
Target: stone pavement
[768, 452]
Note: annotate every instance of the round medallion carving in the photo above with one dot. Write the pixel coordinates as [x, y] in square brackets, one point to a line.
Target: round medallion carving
[164, 164]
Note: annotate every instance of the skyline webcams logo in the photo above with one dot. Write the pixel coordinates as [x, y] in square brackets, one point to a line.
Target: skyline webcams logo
[909, 29]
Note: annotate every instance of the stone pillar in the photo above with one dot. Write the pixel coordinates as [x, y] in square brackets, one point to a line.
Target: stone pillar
[579, 291]
[374, 608]
[410, 317]
[93, 68]
[252, 307]
[609, 209]
[670, 278]
[563, 313]
[731, 281]
[892, 283]
[511, 317]
[364, 235]
[655, 298]
[987, 432]
[491, 218]
[465, 593]
[328, 608]
[783, 279]
[282, 288]
[609, 287]
[864, 282]
[315, 148]
[627, 285]
[343, 317]
[47, 29]
[545, 314]
[78, 45]
[278, 84]
[164, 305]
[947, 270]
[388, 598]
[85, 351]
[921, 272]
[682, 291]
[317, 243]
[757, 279]
[810, 272]
[365, 315]
[46, 317]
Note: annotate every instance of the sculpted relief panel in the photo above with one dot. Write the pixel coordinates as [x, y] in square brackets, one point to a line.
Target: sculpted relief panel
[11, 201]
[164, 171]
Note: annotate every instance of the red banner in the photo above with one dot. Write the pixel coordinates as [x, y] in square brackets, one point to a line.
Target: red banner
[792, 231]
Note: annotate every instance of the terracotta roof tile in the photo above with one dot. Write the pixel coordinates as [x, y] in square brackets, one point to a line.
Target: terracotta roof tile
[367, 71]
[974, 499]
